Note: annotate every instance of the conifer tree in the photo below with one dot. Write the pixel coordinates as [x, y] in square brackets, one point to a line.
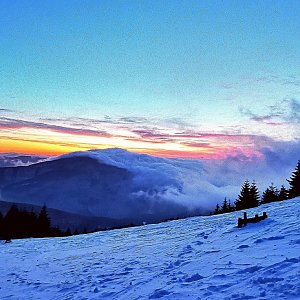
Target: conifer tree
[270, 194]
[294, 181]
[68, 232]
[44, 222]
[23, 224]
[254, 200]
[11, 220]
[217, 209]
[244, 197]
[230, 206]
[283, 193]
[224, 208]
[33, 220]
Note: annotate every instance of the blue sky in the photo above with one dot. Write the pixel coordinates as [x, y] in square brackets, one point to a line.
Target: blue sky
[211, 64]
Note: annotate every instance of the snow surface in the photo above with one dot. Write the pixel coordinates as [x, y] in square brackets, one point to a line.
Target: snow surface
[196, 258]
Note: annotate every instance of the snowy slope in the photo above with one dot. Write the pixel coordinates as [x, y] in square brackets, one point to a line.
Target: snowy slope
[196, 258]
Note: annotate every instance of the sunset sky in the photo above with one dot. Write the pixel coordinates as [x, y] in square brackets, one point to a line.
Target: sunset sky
[195, 79]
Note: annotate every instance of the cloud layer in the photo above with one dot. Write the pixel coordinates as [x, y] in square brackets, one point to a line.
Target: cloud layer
[200, 184]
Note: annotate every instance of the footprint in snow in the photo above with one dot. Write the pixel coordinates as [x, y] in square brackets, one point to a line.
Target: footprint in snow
[293, 260]
[186, 250]
[272, 238]
[243, 246]
[218, 288]
[175, 264]
[250, 270]
[201, 234]
[193, 278]
[159, 294]
[199, 243]
[263, 280]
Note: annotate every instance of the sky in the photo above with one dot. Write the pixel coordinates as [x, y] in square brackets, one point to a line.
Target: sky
[193, 79]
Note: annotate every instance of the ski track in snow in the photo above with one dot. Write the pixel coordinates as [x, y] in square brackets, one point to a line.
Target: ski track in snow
[196, 258]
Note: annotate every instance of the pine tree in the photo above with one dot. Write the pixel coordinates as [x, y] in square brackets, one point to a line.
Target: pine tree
[33, 224]
[217, 209]
[68, 232]
[254, 200]
[244, 197]
[224, 208]
[44, 222]
[270, 194]
[283, 193]
[230, 206]
[294, 181]
[11, 223]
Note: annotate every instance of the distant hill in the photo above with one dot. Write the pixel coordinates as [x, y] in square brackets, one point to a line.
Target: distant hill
[84, 185]
[75, 184]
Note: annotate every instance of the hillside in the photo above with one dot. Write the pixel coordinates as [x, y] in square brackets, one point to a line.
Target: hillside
[197, 258]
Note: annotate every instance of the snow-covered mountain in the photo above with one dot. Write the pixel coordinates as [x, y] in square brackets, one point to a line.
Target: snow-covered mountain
[197, 258]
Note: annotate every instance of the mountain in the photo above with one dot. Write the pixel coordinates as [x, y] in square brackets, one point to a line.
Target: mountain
[197, 258]
[84, 185]
[74, 184]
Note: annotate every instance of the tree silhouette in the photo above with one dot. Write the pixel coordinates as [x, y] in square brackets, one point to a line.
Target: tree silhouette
[22, 224]
[217, 209]
[244, 197]
[270, 194]
[283, 194]
[11, 223]
[225, 208]
[68, 232]
[294, 181]
[248, 197]
[230, 206]
[254, 200]
[32, 224]
[44, 222]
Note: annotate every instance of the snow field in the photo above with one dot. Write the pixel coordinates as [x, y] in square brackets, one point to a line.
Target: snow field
[196, 258]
